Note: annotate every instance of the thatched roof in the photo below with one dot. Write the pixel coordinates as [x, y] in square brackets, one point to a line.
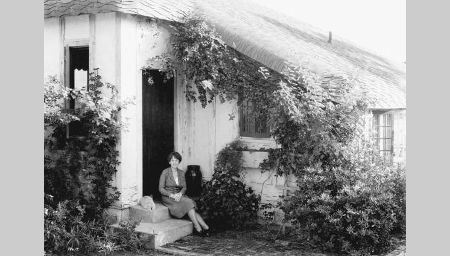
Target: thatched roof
[173, 10]
[272, 39]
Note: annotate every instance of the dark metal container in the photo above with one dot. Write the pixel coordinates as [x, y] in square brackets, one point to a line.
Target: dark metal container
[193, 181]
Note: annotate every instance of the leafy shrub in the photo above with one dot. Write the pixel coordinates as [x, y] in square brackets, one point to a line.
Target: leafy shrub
[343, 203]
[227, 202]
[79, 168]
[67, 229]
[81, 165]
[356, 209]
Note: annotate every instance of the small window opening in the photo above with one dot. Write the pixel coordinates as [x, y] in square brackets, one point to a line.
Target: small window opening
[252, 124]
[78, 78]
[384, 134]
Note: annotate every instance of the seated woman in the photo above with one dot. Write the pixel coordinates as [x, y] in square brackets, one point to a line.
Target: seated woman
[172, 186]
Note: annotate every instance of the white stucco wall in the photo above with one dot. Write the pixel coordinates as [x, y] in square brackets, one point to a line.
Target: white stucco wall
[140, 40]
[101, 32]
[76, 27]
[105, 38]
[400, 136]
[52, 48]
[127, 66]
[196, 132]
[227, 129]
[120, 46]
[203, 132]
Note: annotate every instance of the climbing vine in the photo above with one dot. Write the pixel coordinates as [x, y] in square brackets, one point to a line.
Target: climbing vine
[342, 202]
[311, 116]
[214, 70]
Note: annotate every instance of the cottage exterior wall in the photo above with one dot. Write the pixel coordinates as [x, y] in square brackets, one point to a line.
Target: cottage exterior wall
[76, 27]
[140, 41]
[52, 48]
[120, 46]
[270, 187]
[400, 136]
[203, 132]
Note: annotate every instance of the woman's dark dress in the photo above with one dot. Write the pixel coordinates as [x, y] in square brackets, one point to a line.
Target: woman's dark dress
[167, 186]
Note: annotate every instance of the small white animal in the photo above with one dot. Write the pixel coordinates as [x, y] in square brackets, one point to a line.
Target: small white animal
[147, 203]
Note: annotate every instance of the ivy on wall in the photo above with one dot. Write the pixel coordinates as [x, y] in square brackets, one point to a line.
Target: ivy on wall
[343, 201]
[311, 116]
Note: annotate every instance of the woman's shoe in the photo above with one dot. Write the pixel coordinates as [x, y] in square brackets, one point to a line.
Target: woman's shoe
[198, 233]
[205, 233]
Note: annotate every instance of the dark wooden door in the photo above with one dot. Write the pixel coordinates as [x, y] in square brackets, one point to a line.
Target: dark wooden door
[157, 121]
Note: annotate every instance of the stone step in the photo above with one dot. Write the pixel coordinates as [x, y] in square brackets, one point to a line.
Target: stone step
[159, 214]
[161, 233]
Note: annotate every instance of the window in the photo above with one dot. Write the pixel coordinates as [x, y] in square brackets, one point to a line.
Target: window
[384, 133]
[78, 77]
[250, 123]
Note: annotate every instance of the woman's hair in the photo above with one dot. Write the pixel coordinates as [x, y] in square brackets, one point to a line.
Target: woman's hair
[174, 154]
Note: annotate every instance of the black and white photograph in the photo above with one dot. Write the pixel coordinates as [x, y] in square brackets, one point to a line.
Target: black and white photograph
[224, 127]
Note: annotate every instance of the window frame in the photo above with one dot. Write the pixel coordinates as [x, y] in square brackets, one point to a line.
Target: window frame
[383, 131]
[69, 77]
[243, 115]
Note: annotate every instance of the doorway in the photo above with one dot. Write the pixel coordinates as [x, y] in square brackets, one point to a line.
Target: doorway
[158, 127]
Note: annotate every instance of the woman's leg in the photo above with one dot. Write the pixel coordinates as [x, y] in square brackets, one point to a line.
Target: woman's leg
[193, 216]
[201, 221]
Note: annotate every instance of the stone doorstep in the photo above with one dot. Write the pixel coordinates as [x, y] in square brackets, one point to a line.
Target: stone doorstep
[158, 234]
[165, 232]
[159, 214]
[157, 227]
[173, 251]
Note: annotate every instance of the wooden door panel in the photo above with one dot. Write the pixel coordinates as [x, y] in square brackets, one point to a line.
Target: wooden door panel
[158, 137]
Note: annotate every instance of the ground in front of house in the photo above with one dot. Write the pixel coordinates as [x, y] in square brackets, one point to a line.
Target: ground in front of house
[260, 240]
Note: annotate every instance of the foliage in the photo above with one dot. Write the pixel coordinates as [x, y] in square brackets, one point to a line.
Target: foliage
[315, 119]
[354, 209]
[212, 69]
[66, 231]
[226, 201]
[311, 116]
[81, 165]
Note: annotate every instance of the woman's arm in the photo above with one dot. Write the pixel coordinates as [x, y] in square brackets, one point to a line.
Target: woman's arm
[182, 180]
[162, 182]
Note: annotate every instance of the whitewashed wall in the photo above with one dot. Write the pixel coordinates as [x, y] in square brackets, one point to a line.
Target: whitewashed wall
[203, 132]
[271, 187]
[120, 46]
[53, 47]
[140, 40]
[400, 136]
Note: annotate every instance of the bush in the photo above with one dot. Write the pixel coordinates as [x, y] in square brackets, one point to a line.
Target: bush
[81, 165]
[356, 209]
[67, 229]
[79, 168]
[227, 202]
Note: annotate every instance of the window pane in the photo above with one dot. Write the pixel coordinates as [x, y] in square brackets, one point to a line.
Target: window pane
[388, 119]
[388, 144]
[382, 120]
[388, 132]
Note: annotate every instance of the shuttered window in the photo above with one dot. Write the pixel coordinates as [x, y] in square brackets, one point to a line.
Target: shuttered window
[252, 124]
